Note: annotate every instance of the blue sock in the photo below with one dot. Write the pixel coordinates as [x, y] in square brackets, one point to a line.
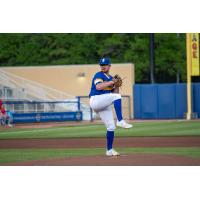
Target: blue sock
[118, 109]
[110, 139]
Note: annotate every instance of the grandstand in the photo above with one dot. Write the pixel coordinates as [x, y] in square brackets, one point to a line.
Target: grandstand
[25, 96]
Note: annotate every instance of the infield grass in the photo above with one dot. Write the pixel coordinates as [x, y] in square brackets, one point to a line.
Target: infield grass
[167, 128]
[20, 155]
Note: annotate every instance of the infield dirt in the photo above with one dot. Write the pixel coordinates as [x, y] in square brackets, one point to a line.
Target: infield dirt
[187, 141]
[123, 160]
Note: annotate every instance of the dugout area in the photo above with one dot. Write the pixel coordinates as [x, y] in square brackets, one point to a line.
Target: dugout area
[168, 143]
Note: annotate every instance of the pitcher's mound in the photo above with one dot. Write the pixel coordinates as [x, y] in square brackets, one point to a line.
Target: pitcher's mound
[123, 160]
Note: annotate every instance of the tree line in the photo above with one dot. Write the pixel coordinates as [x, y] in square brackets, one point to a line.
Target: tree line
[40, 49]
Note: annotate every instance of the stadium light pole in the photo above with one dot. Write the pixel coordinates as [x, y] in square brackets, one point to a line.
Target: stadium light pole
[152, 58]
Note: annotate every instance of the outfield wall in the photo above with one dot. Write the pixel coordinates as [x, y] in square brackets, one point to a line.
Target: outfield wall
[164, 101]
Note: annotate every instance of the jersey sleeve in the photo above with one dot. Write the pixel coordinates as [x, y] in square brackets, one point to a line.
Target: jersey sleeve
[98, 79]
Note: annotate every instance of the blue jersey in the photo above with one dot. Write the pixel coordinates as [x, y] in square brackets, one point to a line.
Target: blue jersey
[100, 77]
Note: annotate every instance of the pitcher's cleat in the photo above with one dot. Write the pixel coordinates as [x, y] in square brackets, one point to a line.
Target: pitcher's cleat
[112, 152]
[124, 124]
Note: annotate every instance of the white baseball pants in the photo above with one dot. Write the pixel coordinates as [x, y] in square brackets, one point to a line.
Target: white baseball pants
[102, 104]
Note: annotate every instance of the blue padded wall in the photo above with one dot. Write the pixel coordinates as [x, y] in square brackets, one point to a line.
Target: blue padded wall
[164, 101]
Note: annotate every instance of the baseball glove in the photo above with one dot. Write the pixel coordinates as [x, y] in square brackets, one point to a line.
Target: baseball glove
[117, 81]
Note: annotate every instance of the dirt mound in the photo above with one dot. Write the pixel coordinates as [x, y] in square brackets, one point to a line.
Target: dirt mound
[123, 160]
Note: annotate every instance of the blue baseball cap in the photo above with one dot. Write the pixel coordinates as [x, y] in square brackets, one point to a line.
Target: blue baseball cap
[104, 61]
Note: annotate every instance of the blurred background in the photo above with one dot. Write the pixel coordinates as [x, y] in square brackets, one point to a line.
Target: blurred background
[86, 48]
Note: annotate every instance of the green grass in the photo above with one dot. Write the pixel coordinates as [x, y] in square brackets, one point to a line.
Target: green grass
[19, 155]
[168, 128]
[193, 152]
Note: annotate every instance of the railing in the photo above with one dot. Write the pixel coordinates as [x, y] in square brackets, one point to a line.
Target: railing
[42, 106]
[71, 105]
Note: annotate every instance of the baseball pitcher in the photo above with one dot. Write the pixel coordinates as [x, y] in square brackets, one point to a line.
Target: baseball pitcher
[105, 92]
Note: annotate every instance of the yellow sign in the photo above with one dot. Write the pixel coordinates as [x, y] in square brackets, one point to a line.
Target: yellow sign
[195, 54]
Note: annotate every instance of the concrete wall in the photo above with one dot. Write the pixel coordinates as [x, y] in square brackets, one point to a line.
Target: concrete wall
[66, 78]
